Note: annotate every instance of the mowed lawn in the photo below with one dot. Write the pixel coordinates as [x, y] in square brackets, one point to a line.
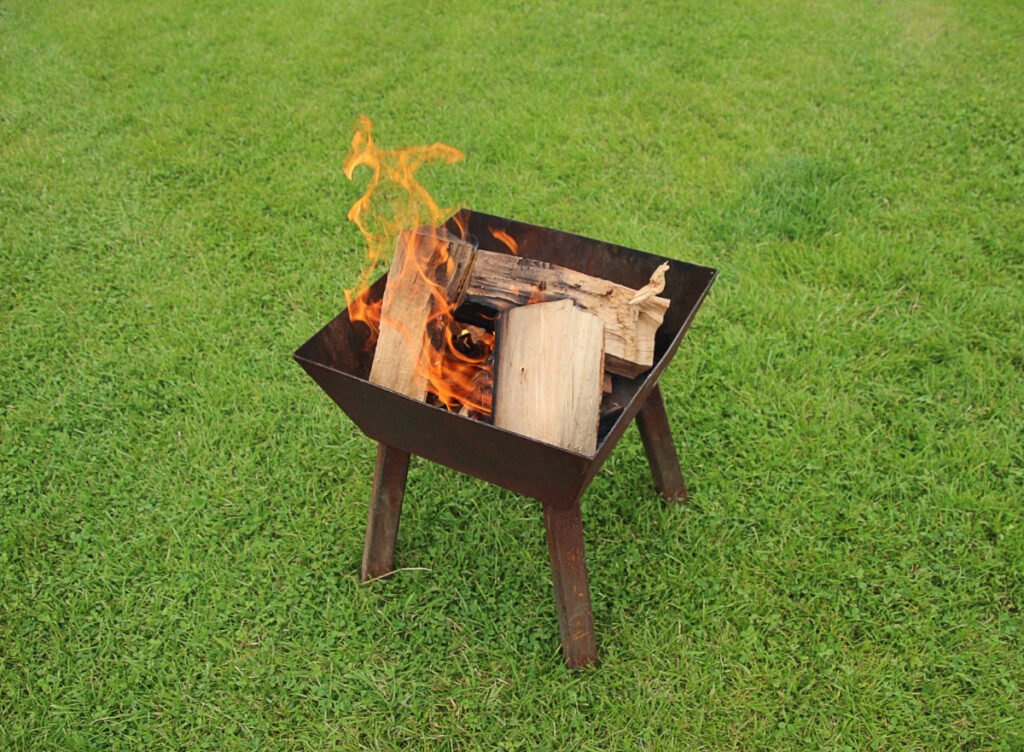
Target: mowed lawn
[182, 510]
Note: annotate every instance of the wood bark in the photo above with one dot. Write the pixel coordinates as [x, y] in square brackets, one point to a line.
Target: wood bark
[426, 282]
[548, 374]
[631, 317]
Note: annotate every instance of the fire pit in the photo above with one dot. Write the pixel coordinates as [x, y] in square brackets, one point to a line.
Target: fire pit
[339, 359]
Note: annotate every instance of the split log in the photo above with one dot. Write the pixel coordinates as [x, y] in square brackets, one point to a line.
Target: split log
[548, 374]
[426, 282]
[631, 317]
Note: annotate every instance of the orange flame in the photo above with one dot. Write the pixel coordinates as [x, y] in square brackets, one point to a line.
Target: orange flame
[459, 378]
[507, 239]
[393, 200]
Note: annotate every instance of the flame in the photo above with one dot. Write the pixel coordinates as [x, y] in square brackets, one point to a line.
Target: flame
[360, 308]
[393, 200]
[458, 377]
[461, 224]
[507, 239]
[468, 378]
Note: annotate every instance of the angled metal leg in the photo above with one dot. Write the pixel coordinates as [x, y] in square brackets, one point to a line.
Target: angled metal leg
[572, 590]
[661, 451]
[385, 511]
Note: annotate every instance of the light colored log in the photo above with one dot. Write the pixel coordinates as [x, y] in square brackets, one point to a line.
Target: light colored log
[426, 282]
[548, 374]
[503, 281]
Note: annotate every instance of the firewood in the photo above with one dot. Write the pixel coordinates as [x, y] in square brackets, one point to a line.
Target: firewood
[426, 281]
[503, 281]
[548, 374]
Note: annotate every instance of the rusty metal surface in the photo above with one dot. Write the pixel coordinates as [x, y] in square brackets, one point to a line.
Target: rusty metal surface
[389, 478]
[656, 435]
[338, 360]
[564, 529]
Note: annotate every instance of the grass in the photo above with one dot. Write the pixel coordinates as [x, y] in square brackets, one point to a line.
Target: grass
[181, 510]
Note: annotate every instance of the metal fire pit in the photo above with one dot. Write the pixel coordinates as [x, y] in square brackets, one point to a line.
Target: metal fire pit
[338, 359]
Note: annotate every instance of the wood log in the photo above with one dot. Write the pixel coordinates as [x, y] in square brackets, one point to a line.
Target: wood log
[502, 281]
[548, 374]
[426, 282]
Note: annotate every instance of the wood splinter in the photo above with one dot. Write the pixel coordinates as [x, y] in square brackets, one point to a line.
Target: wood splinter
[652, 288]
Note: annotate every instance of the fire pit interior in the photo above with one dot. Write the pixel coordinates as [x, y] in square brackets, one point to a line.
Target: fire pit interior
[340, 357]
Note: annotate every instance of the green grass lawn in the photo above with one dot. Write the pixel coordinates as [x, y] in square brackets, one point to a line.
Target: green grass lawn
[182, 510]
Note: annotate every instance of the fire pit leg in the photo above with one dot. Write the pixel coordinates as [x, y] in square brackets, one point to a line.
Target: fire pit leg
[385, 511]
[661, 451]
[572, 591]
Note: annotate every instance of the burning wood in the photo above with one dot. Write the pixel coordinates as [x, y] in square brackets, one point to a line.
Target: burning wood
[425, 284]
[466, 370]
